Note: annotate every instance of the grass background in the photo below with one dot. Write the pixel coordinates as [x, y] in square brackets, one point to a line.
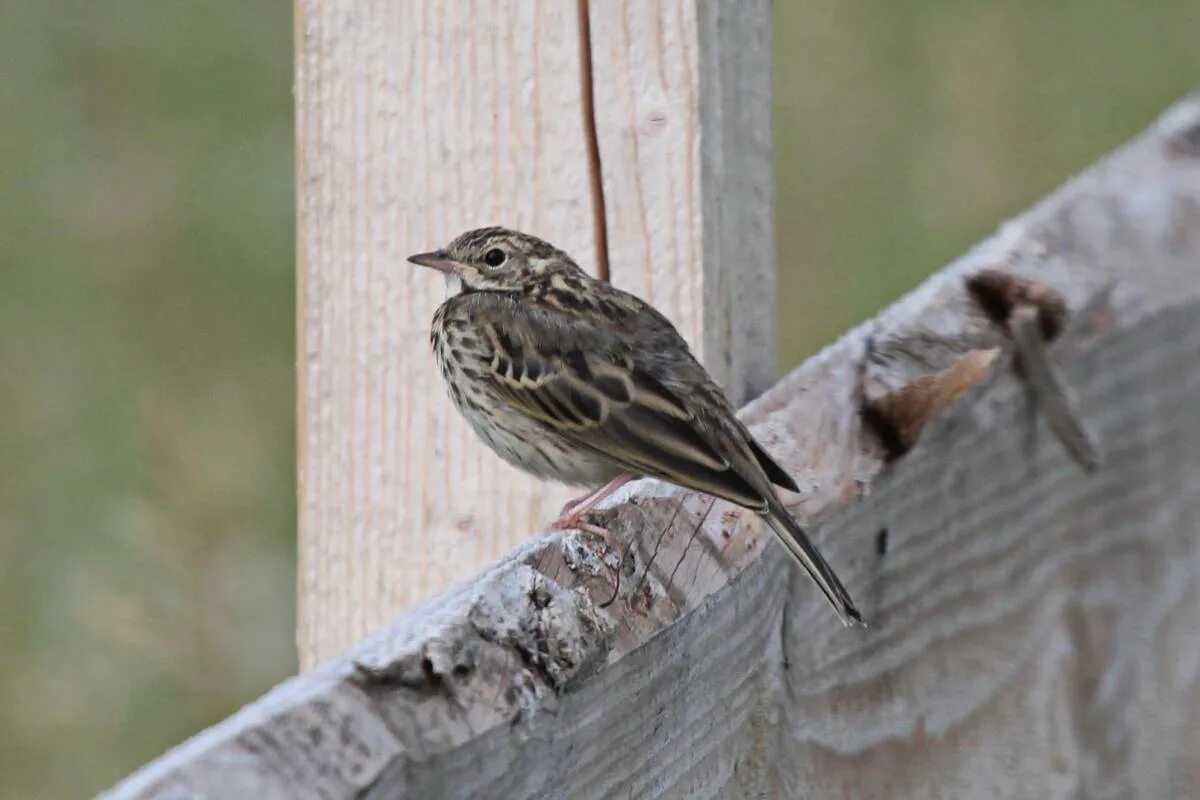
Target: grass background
[146, 303]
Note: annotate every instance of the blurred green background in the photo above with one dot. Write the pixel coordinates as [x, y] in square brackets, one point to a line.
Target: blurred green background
[146, 307]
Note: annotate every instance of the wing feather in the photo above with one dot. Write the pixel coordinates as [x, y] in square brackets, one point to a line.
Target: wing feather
[614, 409]
[776, 473]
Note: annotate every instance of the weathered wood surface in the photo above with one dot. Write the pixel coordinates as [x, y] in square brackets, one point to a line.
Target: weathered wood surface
[417, 120]
[1033, 625]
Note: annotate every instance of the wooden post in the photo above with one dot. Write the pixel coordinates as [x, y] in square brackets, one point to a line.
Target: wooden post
[1032, 622]
[417, 120]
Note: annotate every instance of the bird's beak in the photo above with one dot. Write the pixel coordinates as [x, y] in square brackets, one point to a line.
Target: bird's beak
[439, 260]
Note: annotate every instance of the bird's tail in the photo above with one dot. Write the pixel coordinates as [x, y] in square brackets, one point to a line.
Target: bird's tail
[796, 541]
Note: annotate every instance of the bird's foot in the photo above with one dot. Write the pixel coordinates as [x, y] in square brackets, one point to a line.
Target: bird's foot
[571, 516]
[569, 522]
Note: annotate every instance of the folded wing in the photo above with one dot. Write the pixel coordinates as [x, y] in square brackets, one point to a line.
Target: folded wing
[613, 407]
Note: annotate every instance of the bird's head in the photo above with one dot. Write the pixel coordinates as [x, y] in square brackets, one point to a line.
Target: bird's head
[497, 260]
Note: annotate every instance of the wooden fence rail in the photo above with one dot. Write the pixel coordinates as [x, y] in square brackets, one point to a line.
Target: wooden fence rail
[1032, 623]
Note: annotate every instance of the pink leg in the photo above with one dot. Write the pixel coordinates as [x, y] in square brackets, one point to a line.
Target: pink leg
[581, 504]
[572, 511]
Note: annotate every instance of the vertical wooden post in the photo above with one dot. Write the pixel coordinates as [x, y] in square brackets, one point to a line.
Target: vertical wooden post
[683, 98]
[417, 120]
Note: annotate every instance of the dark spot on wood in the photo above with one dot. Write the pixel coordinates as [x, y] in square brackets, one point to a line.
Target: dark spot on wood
[1185, 143]
[350, 740]
[657, 118]
[431, 674]
[539, 596]
[993, 292]
[890, 435]
[405, 673]
[998, 292]
[881, 542]
[641, 600]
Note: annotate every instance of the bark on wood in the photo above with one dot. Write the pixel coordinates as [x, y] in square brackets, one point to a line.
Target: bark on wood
[1032, 624]
[417, 120]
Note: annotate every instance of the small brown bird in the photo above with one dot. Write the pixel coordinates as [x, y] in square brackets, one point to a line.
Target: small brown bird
[570, 378]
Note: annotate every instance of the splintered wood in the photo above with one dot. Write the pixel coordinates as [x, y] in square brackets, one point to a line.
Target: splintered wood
[1032, 624]
[1033, 315]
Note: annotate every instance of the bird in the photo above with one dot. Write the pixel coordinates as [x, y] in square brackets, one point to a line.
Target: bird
[571, 379]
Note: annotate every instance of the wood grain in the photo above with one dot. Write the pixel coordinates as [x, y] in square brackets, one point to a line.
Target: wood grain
[417, 120]
[1032, 625]
[683, 98]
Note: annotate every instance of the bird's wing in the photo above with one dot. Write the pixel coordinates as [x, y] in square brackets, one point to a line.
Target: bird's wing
[775, 473]
[601, 393]
[604, 402]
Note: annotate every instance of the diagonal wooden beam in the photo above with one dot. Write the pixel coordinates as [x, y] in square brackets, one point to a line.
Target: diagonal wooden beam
[1032, 623]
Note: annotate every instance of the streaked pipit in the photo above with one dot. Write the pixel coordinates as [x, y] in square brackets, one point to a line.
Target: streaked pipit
[570, 378]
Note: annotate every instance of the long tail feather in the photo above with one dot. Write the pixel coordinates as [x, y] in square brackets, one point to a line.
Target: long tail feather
[789, 532]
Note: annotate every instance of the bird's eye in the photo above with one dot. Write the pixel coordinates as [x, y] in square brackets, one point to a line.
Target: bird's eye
[494, 257]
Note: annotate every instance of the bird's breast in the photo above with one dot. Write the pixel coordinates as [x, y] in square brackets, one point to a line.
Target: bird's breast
[462, 354]
[465, 355]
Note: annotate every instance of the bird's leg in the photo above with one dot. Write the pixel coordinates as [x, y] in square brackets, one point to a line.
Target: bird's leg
[570, 516]
[581, 505]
